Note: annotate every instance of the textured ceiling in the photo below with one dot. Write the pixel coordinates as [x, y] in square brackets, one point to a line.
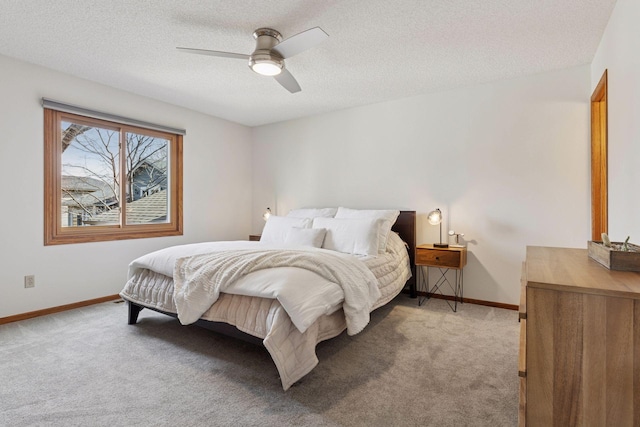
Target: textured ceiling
[377, 50]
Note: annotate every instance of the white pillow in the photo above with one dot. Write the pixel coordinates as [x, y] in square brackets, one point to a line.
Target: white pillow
[388, 218]
[305, 237]
[277, 228]
[351, 235]
[313, 213]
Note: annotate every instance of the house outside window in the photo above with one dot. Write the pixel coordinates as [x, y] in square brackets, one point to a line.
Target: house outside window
[107, 180]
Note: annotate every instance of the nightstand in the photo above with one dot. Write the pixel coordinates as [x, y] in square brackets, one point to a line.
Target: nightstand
[254, 237]
[444, 259]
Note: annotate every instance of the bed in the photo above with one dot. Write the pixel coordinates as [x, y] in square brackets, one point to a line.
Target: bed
[285, 293]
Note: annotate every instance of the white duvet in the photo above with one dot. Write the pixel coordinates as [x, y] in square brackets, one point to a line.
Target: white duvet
[308, 282]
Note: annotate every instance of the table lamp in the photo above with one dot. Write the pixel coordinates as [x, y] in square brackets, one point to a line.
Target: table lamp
[266, 214]
[435, 218]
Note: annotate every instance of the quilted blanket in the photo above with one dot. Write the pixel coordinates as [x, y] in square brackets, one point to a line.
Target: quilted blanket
[199, 279]
[292, 351]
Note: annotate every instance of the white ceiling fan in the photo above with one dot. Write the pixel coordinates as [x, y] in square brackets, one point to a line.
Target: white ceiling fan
[271, 51]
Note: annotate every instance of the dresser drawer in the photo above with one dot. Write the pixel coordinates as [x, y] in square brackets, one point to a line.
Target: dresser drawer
[438, 258]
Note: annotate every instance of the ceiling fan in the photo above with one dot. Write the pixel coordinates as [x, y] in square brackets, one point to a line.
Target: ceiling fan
[271, 51]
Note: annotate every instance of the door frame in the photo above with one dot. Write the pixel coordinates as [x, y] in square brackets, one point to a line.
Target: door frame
[599, 166]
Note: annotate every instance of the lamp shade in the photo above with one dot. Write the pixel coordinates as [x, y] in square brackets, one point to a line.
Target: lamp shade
[435, 217]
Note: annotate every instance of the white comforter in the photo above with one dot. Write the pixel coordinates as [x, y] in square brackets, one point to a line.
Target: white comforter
[308, 282]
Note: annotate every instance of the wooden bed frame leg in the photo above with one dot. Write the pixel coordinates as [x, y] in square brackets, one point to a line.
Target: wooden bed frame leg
[134, 310]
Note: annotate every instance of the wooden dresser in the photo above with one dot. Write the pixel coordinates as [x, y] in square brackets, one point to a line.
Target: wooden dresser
[579, 341]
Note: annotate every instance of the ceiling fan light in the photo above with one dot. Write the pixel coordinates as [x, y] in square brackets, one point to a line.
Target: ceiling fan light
[266, 63]
[267, 67]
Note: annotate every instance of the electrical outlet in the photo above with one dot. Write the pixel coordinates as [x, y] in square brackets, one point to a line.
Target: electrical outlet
[30, 281]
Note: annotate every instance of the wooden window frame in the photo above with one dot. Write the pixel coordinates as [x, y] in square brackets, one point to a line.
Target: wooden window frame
[56, 234]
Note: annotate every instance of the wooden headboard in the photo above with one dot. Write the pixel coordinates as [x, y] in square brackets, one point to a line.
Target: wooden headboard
[405, 226]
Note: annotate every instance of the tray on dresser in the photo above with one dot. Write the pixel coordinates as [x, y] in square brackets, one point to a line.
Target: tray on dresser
[613, 258]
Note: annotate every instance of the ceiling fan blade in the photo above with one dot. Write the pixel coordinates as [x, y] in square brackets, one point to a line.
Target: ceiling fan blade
[300, 42]
[214, 53]
[286, 79]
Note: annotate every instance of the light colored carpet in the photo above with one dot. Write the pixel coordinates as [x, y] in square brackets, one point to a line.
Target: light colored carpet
[412, 366]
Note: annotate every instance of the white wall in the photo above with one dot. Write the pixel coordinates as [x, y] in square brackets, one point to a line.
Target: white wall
[217, 189]
[619, 53]
[507, 162]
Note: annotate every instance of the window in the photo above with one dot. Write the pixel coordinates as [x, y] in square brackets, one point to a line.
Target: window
[109, 180]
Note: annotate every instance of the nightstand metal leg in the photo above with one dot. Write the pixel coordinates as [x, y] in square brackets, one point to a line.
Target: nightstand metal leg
[457, 287]
[461, 285]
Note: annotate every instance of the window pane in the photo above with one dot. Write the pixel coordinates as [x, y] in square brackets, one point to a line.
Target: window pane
[147, 179]
[90, 176]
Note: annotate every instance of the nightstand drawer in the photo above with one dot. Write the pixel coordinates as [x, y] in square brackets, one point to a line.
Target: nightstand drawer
[438, 258]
